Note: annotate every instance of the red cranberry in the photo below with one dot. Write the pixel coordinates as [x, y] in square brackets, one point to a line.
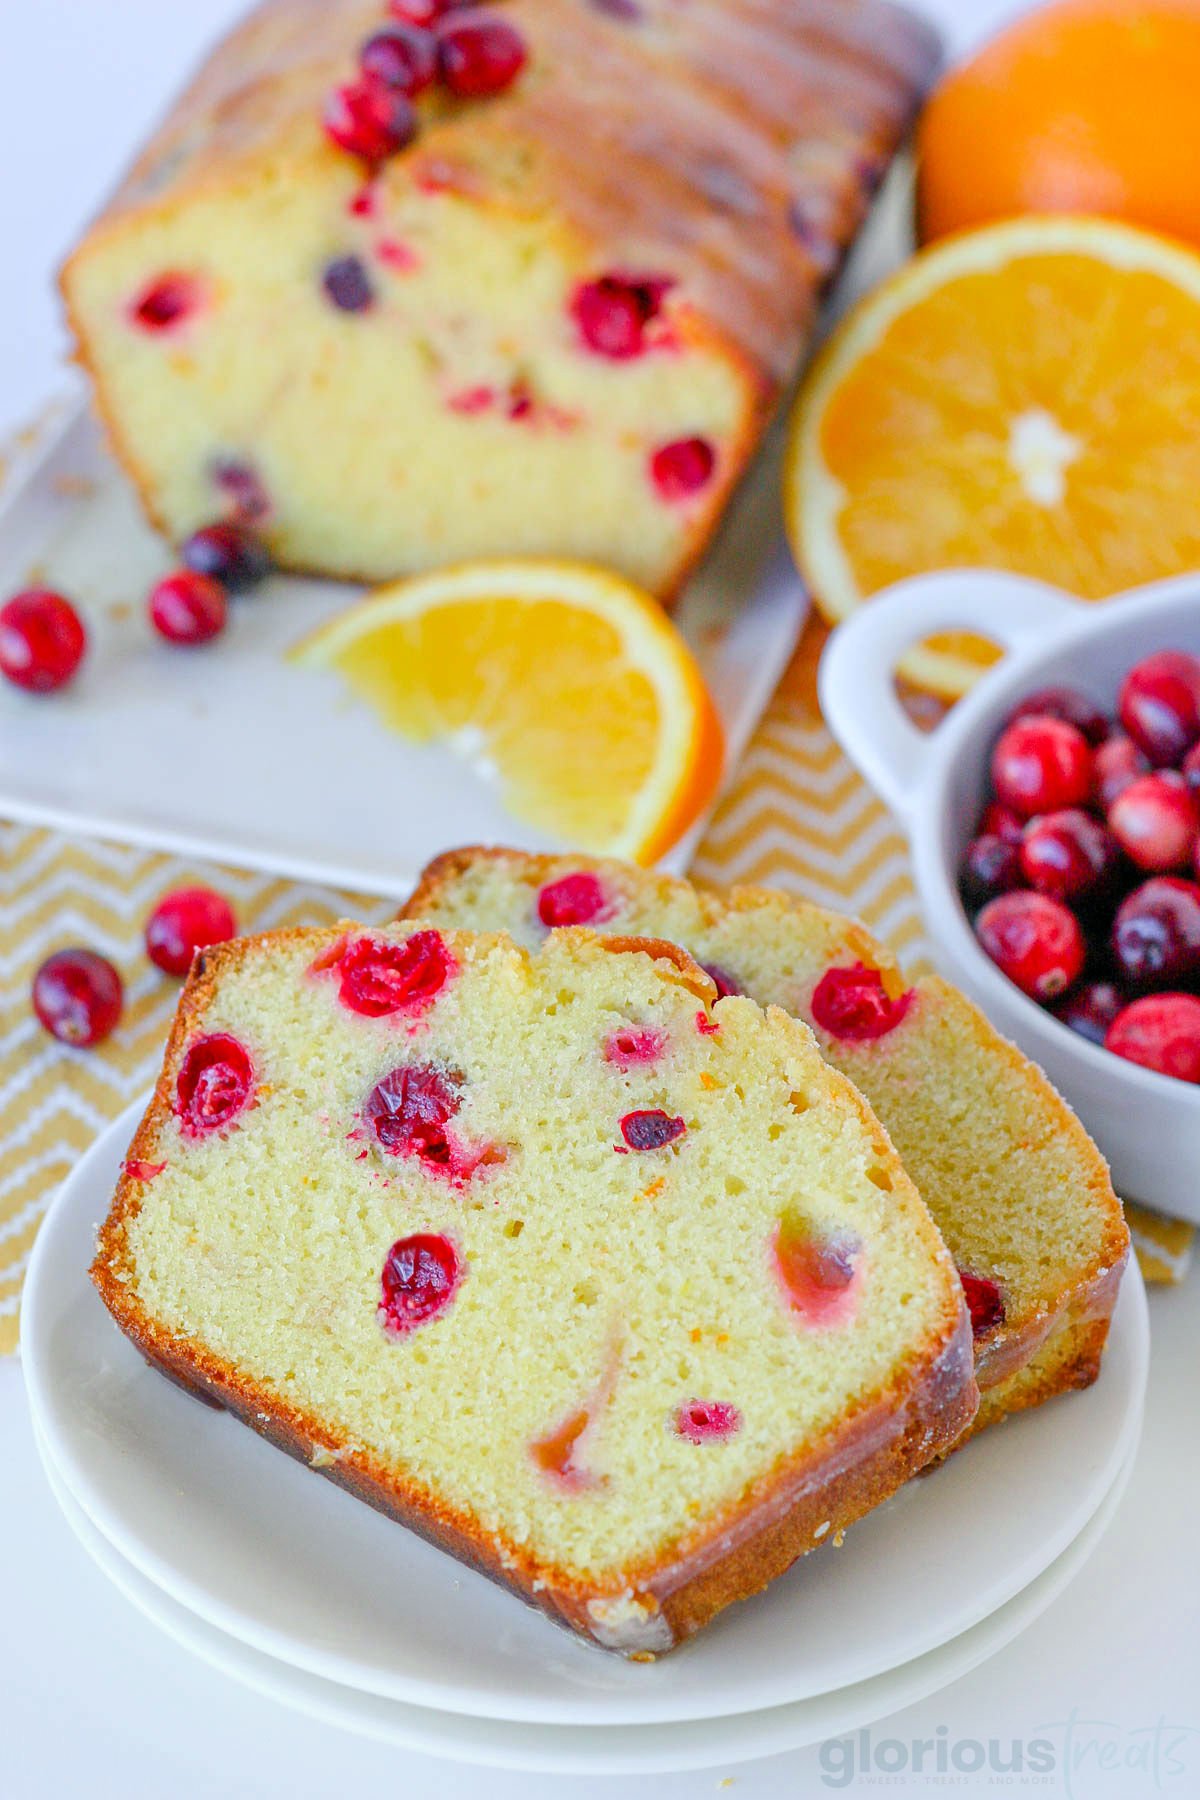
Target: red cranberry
[230, 552]
[573, 900]
[215, 1081]
[627, 1047]
[1154, 821]
[816, 1275]
[186, 921]
[369, 120]
[42, 640]
[1000, 821]
[991, 866]
[1159, 705]
[420, 1276]
[77, 995]
[1091, 1009]
[707, 1421]
[1115, 766]
[166, 302]
[380, 977]
[409, 1110]
[347, 284]
[1190, 769]
[479, 54]
[1069, 705]
[187, 608]
[985, 1303]
[423, 13]
[651, 1129]
[1160, 1031]
[1041, 765]
[1156, 934]
[612, 313]
[1067, 854]
[721, 979]
[1033, 940]
[853, 1003]
[402, 57]
[679, 470]
[243, 486]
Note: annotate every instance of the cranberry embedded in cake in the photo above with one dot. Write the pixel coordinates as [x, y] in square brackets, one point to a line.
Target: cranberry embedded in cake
[242, 486]
[230, 552]
[853, 1003]
[574, 900]
[721, 979]
[479, 53]
[985, 1302]
[651, 1129]
[628, 1046]
[612, 313]
[378, 976]
[818, 1277]
[214, 1084]
[347, 284]
[166, 302]
[409, 1110]
[369, 120]
[682, 469]
[401, 57]
[420, 1278]
[707, 1421]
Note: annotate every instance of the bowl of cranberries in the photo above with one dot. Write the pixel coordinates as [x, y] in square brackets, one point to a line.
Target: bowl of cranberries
[1054, 816]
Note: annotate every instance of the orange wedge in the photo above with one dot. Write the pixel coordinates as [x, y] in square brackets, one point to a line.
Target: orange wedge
[568, 685]
[1024, 396]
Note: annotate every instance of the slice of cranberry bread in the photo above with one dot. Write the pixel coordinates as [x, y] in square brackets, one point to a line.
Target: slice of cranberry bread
[624, 1301]
[554, 321]
[1019, 1191]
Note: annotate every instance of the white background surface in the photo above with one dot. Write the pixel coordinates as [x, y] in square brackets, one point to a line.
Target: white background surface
[94, 1702]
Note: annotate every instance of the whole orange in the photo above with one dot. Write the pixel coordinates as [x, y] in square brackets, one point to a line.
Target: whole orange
[1084, 106]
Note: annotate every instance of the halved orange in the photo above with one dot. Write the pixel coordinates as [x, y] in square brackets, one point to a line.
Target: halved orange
[566, 683]
[1025, 396]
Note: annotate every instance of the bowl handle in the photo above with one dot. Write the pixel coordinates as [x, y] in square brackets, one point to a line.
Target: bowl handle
[858, 697]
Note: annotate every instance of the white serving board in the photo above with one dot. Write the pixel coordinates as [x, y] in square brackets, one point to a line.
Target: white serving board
[228, 751]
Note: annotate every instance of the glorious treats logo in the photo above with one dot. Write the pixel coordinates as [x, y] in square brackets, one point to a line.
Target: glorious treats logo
[1080, 1757]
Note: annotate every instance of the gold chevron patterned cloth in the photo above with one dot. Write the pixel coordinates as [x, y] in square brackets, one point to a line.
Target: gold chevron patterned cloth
[797, 816]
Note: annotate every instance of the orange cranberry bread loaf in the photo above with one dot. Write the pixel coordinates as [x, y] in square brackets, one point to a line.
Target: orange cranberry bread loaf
[540, 303]
[619, 1296]
[1018, 1189]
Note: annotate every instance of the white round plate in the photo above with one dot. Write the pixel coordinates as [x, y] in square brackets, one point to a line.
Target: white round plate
[296, 1568]
[595, 1749]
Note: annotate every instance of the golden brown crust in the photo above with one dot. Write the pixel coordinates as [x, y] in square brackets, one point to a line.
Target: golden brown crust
[1033, 1354]
[826, 1486]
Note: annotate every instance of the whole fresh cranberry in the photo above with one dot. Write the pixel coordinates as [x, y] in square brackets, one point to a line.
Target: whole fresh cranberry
[991, 866]
[1033, 940]
[403, 57]
[42, 640]
[1156, 934]
[612, 313]
[1002, 822]
[77, 996]
[369, 120]
[1041, 765]
[1190, 769]
[1067, 854]
[1069, 705]
[1162, 1032]
[1154, 820]
[479, 53]
[186, 608]
[230, 552]
[680, 470]
[1091, 1009]
[184, 921]
[1116, 764]
[1159, 704]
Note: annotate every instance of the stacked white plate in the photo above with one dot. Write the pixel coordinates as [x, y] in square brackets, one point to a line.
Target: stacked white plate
[296, 1589]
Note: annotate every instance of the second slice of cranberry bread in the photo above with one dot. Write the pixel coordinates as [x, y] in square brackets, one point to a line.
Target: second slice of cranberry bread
[1020, 1193]
[620, 1296]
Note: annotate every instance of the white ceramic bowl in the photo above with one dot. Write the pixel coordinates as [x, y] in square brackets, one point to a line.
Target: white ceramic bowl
[1146, 1124]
